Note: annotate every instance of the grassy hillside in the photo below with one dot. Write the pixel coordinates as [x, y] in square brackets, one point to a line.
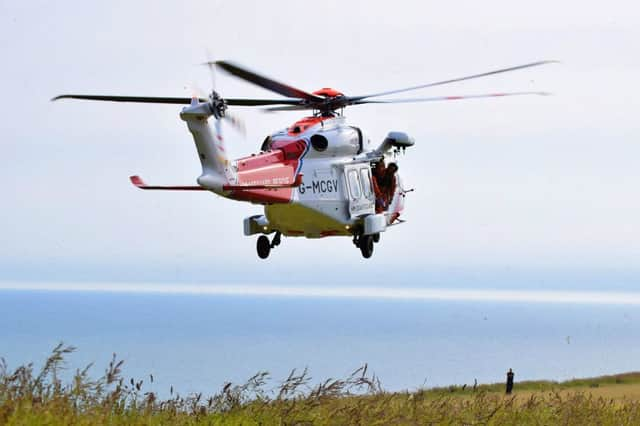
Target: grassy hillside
[594, 385]
[29, 397]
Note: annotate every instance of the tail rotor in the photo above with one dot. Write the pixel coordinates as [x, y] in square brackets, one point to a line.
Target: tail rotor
[218, 105]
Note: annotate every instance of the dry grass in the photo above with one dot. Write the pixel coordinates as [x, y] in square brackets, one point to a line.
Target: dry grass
[40, 397]
[619, 392]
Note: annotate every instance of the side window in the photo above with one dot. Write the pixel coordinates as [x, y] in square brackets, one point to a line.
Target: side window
[365, 175]
[354, 184]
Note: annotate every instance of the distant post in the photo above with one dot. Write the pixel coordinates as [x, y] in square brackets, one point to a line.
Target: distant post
[510, 381]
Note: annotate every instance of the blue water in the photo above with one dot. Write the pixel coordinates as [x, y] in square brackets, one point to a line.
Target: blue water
[197, 342]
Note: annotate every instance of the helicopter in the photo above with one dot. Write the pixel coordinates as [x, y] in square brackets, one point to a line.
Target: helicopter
[317, 178]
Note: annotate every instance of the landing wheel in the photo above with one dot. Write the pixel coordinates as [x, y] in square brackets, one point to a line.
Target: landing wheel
[366, 246]
[263, 246]
[376, 237]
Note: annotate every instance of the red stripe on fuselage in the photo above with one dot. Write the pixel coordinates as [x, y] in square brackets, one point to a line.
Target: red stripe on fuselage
[276, 167]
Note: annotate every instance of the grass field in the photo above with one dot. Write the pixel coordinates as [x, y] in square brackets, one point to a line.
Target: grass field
[30, 397]
[616, 387]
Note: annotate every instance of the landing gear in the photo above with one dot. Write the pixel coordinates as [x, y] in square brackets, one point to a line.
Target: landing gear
[365, 242]
[276, 239]
[264, 246]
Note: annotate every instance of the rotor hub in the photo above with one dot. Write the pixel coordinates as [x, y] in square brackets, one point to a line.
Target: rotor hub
[217, 105]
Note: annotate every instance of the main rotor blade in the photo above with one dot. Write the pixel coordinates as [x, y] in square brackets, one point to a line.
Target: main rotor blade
[409, 100]
[447, 98]
[141, 99]
[453, 80]
[267, 83]
[187, 101]
[261, 102]
[292, 108]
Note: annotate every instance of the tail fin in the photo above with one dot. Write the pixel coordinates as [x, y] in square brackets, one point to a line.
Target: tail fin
[216, 167]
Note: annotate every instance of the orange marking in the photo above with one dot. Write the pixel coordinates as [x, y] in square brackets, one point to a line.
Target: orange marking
[329, 233]
[303, 124]
[276, 167]
[328, 92]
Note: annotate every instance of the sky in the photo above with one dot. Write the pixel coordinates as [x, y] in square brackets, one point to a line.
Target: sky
[535, 192]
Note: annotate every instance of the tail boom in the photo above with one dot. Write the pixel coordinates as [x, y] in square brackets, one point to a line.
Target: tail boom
[216, 168]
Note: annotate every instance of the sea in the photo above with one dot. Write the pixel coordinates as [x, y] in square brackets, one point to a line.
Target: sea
[196, 339]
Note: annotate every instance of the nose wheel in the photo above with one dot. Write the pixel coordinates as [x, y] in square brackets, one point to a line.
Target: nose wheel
[264, 246]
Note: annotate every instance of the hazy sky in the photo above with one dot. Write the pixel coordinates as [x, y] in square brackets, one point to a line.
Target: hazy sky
[531, 189]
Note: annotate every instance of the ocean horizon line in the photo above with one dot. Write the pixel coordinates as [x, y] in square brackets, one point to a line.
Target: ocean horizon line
[315, 291]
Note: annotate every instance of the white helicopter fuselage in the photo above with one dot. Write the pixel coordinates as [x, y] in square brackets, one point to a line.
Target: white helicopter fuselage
[313, 178]
[336, 192]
